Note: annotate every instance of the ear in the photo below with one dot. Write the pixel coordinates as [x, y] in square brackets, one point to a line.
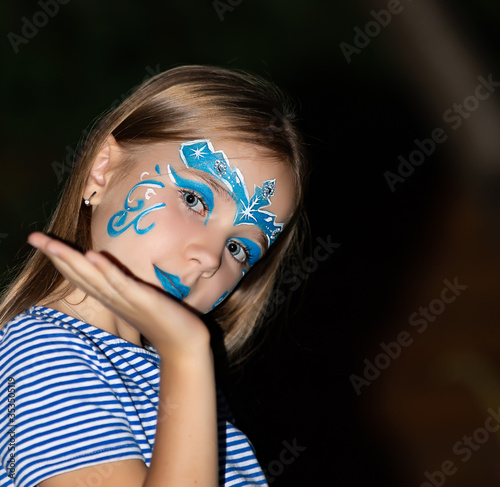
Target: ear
[102, 169]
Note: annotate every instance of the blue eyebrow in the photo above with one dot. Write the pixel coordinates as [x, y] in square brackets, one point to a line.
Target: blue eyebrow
[202, 189]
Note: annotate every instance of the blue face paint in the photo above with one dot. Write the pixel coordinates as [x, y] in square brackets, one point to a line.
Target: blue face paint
[200, 154]
[219, 301]
[172, 284]
[252, 248]
[119, 219]
[202, 189]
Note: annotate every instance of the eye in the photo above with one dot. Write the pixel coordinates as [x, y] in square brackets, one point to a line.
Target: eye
[238, 251]
[194, 202]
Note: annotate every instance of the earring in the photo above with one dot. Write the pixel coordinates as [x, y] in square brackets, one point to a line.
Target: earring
[87, 201]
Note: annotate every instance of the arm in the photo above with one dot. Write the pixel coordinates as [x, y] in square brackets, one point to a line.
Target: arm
[185, 451]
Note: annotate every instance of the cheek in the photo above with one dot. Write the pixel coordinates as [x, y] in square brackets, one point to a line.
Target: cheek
[220, 286]
[133, 235]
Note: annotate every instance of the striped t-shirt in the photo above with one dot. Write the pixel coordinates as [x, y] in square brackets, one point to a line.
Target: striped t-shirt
[75, 396]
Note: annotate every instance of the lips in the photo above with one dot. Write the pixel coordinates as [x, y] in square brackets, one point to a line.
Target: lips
[172, 284]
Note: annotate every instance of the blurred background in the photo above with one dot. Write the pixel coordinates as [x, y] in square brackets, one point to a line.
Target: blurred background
[386, 371]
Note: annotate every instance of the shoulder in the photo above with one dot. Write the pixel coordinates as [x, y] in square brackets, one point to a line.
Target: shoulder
[38, 320]
[38, 341]
[44, 329]
[71, 410]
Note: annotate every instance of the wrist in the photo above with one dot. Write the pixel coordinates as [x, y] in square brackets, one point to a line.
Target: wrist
[196, 352]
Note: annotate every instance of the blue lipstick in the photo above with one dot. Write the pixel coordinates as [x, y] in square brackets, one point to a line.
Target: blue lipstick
[172, 284]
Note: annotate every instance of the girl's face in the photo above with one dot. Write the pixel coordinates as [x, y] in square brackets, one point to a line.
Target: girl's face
[192, 218]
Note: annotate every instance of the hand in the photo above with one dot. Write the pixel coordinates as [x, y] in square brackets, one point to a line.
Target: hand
[170, 327]
[185, 450]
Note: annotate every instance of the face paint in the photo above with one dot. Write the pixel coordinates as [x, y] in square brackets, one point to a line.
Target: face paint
[254, 254]
[219, 301]
[119, 219]
[252, 250]
[172, 284]
[197, 187]
[200, 154]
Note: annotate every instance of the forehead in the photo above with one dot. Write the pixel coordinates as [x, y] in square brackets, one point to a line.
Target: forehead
[249, 178]
[241, 170]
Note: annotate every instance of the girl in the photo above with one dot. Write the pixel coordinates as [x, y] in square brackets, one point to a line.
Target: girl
[192, 183]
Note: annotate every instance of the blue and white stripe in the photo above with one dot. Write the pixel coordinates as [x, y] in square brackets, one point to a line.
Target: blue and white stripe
[85, 397]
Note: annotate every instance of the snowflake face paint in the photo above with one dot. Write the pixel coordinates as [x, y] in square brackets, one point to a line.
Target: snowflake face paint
[220, 211]
[200, 154]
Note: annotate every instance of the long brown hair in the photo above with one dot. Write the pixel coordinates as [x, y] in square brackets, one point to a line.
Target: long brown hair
[182, 103]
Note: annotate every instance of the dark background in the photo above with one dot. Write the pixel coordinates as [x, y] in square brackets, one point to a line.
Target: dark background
[357, 118]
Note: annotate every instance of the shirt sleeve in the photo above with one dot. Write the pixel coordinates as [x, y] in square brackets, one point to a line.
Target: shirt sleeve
[66, 414]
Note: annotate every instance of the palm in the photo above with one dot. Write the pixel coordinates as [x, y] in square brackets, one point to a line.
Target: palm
[168, 325]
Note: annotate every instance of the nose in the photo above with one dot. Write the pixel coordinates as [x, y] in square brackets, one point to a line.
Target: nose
[206, 257]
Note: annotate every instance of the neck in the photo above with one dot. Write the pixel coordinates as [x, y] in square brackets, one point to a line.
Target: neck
[78, 305]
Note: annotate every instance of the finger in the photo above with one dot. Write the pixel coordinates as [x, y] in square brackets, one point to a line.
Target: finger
[73, 265]
[149, 310]
[42, 242]
[138, 295]
[52, 247]
[94, 273]
[146, 303]
[115, 276]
